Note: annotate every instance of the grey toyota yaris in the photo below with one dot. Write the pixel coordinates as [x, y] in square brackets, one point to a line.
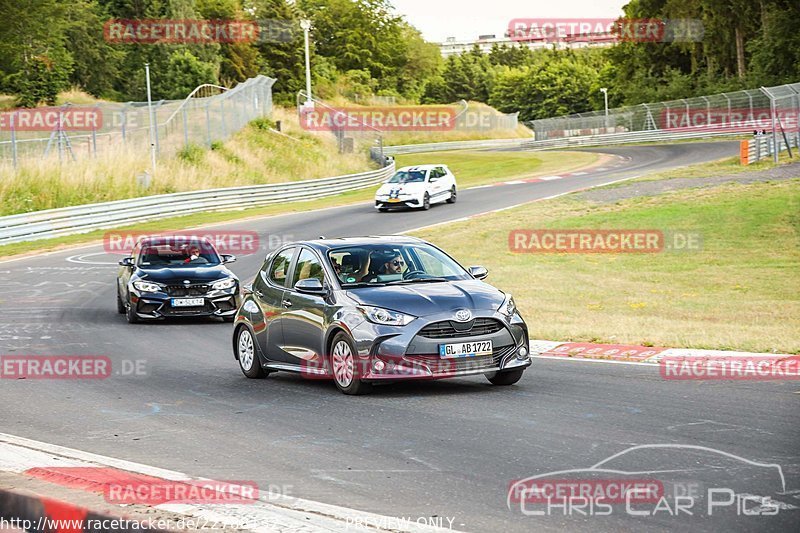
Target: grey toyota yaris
[372, 309]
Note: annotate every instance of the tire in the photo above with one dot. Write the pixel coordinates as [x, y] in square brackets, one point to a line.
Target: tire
[453, 195]
[246, 355]
[344, 367]
[509, 377]
[426, 202]
[382, 209]
[120, 304]
[130, 313]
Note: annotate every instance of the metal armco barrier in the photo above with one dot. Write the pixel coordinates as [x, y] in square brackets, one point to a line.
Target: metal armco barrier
[86, 218]
[43, 515]
[565, 142]
[760, 147]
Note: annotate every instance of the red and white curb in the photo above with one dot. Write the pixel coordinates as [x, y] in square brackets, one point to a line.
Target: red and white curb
[644, 355]
[268, 514]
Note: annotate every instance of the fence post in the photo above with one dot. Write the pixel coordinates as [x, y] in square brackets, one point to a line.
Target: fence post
[13, 140]
[185, 129]
[773, 112]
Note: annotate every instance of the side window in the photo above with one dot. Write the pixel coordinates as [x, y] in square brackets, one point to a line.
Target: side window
[308, 266]
[434, 174]
[280, 267]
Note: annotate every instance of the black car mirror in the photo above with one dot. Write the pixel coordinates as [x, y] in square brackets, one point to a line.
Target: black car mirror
[227, 258]
[478, 272]
[127, 262]
[310, 286]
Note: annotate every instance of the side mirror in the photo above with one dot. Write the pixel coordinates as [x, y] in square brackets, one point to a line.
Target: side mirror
[247, 289]
[127, 262]
[478, 272]
[227, 258]
[310, 286]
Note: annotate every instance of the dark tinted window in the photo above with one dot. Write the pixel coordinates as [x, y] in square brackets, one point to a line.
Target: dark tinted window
[280, 267]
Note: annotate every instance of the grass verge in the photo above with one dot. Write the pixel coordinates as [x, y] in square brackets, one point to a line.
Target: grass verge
[476, 171]
[741, 291]
[477, 168]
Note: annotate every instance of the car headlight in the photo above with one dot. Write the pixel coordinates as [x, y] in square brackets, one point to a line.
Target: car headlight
[508, 308]
[223, 284]
[146, 286]
[379, 315]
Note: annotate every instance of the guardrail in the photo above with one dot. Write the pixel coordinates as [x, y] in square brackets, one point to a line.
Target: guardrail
[565, 142]
[761, 147]
[83, 219]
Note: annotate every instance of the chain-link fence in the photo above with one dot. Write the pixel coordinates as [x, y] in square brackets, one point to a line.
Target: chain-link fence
[763, 111]
[352, 133]
[209, 114]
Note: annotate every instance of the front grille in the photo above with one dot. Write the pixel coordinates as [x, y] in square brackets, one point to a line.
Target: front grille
[439, 365]
[187, 290]
[449, 329]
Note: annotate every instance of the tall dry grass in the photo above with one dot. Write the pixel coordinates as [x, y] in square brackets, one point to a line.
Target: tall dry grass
[253, 156]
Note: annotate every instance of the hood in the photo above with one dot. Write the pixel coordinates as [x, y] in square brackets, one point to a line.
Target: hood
[429, 298]
[195, 274]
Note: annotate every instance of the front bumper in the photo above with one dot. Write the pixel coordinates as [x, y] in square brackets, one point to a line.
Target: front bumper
[384, 203]
[158, 306]
[388, 353]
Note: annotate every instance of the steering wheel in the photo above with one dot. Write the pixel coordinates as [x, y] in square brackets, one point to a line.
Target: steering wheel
[414, 274]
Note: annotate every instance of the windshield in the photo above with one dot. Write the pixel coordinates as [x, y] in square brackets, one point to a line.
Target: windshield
[166, 254]
[370, 265]
[408, 176]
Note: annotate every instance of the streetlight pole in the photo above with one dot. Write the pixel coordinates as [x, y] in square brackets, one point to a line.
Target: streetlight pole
[306, 25]
[604, 90]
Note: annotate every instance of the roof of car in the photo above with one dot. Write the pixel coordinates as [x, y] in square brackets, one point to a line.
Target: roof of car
[420, 167]
[324, 245]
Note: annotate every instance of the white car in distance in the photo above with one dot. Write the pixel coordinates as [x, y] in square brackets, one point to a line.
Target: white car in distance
[418, 187]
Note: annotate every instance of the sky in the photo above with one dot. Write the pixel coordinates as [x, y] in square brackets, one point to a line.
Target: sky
[466, 19]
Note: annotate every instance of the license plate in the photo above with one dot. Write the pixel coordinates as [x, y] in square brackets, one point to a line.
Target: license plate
[394, 200]
[465, 349]
[188, 302]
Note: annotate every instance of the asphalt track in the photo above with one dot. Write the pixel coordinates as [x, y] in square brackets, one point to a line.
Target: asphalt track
[447, 448]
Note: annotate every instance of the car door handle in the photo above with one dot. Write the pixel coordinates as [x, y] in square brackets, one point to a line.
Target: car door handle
[287, 303]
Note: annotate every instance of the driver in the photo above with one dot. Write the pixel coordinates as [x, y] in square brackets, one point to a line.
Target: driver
[194, 253]
[392, 263]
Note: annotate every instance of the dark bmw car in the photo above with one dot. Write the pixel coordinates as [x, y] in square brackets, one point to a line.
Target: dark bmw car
[176, 277]
[377, 309]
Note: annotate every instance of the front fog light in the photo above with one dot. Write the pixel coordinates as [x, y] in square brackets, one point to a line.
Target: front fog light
[378, 366]
[522, 353]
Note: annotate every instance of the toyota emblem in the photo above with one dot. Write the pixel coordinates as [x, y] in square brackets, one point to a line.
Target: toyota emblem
[463, 315]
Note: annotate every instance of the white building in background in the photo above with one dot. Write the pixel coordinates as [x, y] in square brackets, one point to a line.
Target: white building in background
[485, 42]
